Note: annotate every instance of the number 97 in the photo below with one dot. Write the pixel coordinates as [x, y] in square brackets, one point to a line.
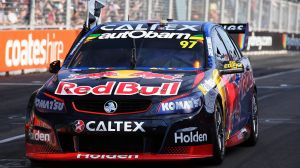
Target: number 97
[189, 44]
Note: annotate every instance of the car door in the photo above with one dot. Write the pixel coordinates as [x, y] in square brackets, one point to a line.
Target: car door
[241, 80]
[229, 82]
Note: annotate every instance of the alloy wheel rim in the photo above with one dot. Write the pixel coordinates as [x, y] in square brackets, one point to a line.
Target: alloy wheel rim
[219, 130]
[254, 117]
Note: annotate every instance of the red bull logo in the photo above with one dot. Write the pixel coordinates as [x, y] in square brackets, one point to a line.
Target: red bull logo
[123, 88]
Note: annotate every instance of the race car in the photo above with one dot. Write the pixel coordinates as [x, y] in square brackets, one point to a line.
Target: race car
[145, 90]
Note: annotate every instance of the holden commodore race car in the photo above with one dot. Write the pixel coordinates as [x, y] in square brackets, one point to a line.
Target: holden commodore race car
[145, 90]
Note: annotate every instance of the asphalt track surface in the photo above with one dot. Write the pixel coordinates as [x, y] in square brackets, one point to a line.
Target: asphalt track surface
[278, 80]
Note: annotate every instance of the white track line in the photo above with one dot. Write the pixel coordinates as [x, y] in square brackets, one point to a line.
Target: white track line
[12, 138]
[21, 84]
[277, 74]
[266, 96]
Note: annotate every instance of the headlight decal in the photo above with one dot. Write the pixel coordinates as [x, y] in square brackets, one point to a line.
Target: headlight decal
[186, 103]
[48, 103]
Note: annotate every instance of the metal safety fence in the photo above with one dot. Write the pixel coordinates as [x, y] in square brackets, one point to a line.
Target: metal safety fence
[263, 15]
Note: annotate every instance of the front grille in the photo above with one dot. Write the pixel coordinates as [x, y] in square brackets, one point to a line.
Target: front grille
[66, 142]
[111, 143]
[124, 106]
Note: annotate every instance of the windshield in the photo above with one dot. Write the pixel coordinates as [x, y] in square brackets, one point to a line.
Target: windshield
[176, 52]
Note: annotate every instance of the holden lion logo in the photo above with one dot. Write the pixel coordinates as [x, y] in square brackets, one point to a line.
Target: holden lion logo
[110, 106]
[78, 126]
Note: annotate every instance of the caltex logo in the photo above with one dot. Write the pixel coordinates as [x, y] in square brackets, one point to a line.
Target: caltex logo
[110, 106]
[78, 126]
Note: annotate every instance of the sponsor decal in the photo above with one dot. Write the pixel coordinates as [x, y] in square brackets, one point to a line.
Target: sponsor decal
[105, 157]
[206, 85]
[186, 103]
[209, 46]
[234, 27]
[141, 34]
[210, 98]
[189, 135]
[32, 51]
[115, 126]
[181, 105]
[125, 74]
[52, 105]
[259, 41]
[78, 126]
[233, 65]
[123, 88]
[110, 106]
[292, 41]
[144, 27]
[38, 136]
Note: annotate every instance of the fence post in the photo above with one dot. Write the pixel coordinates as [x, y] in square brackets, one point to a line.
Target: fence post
[298, 19]
[289, 17]
[280, 16]
[68, 14]
[236, 12]
[222, 11]
[206, 10]
[127, 7]
[189, 10]
[170, 9]
[260, 15]
[32, 11]
[249, 13]
[271, 18]
[149, 9]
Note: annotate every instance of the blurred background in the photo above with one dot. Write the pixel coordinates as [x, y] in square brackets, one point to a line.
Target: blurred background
[263, 15]
[36, 32]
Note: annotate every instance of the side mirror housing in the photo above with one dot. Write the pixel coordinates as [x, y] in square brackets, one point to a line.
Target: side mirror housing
[54, 66]
[232, 67]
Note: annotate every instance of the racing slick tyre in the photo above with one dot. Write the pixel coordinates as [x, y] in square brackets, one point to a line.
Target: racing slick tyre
[253, 123]
[219, 139]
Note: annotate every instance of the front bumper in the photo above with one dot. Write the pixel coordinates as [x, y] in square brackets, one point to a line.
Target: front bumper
[195, 152]
[165, 137]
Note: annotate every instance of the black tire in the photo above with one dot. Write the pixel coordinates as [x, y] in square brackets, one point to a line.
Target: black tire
[252, 140]
[36, 163]
[219, 139]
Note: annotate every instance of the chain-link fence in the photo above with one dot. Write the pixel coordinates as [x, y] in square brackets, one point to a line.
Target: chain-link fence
[263, 15]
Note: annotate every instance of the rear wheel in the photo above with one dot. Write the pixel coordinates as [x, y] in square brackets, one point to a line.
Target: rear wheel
[253, 123]
[219, 140]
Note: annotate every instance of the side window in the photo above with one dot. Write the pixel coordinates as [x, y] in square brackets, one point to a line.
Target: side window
[229, 45]
[219, 49]
[236, 48]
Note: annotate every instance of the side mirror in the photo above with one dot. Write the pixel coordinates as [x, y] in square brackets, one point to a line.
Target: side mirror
[232, 67]
[54, 66]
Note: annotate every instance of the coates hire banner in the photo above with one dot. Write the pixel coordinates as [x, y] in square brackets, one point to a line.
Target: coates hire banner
[26, 49]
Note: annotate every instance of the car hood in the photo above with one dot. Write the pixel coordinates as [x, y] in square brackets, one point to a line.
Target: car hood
[123, 83]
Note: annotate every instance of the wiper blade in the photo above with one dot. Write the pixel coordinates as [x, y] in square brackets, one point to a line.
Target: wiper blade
[133, 55]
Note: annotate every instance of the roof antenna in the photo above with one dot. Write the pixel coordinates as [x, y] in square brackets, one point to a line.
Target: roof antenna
[128, 18]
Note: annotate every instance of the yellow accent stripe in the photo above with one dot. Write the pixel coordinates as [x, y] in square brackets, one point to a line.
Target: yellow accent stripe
[196, 38]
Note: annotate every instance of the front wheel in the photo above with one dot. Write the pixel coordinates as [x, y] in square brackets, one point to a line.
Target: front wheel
[253, 123]
[219, 139]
